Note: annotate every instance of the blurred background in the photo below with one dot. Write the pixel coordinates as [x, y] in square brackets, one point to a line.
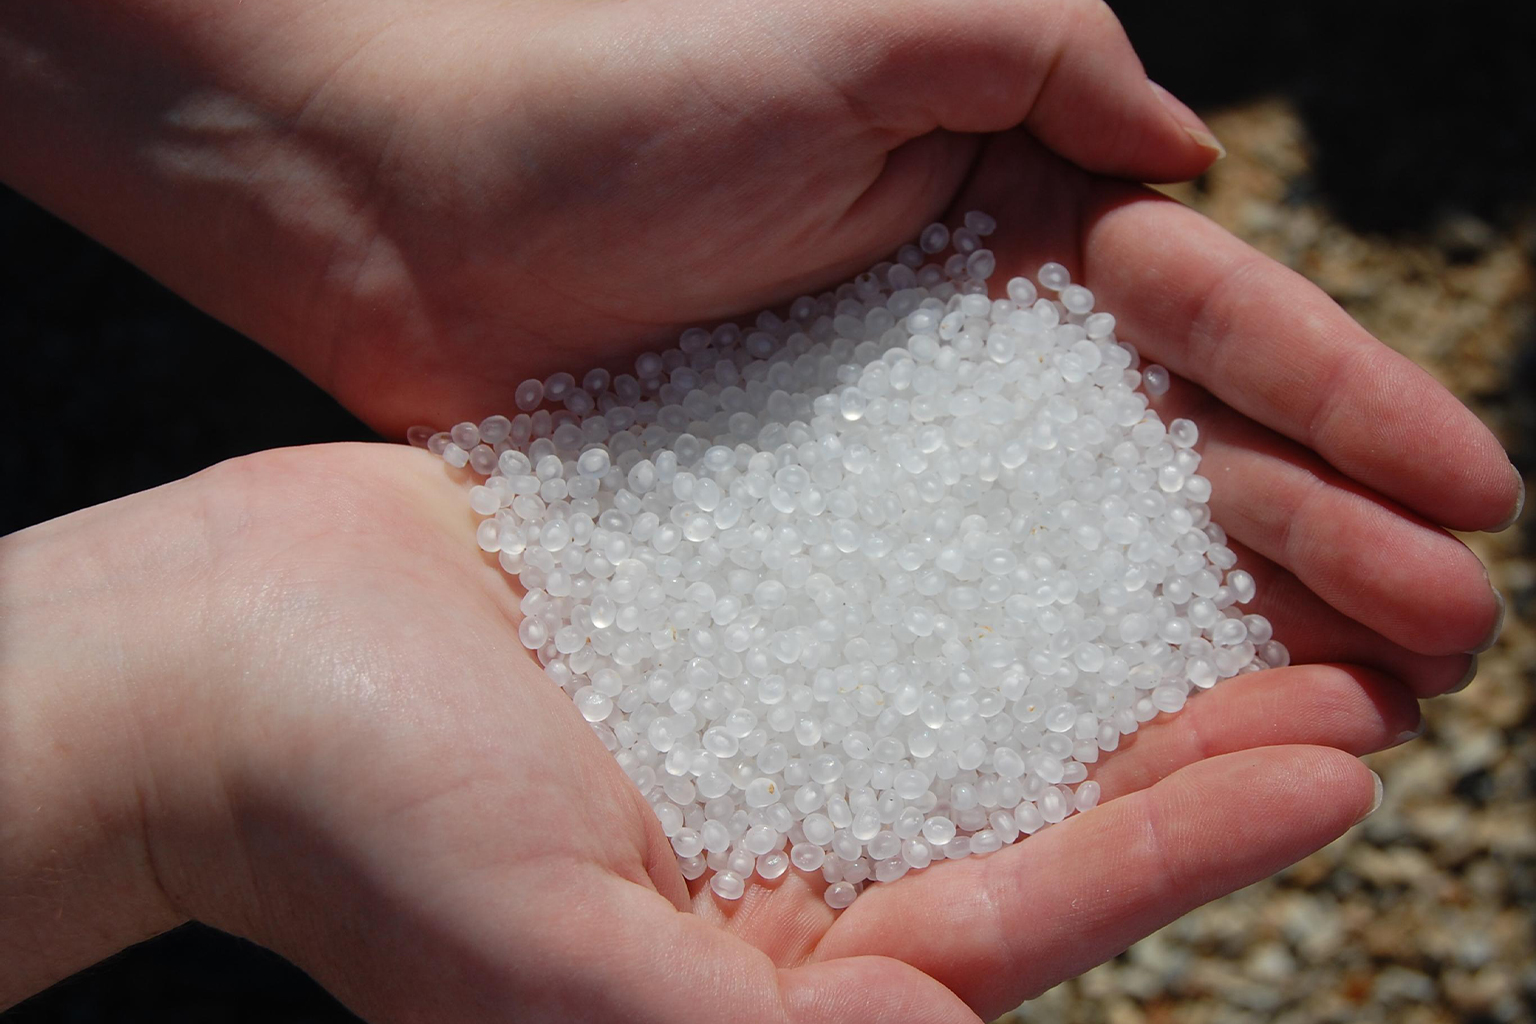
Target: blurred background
[1387, 151]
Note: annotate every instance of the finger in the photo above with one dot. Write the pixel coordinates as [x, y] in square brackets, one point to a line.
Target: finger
[1314, 631]
[1009, 181]
[1341, 706]
[784, 917]
[1274, 347]
[1002, 928]
[668, 966]
[867, 988]
[1063, 68]
[1368, 557]
[1260, 337]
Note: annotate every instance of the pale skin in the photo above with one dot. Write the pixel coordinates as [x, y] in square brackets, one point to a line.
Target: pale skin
[286, 696]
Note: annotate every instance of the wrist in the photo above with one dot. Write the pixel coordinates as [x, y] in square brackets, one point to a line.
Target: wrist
[295, 172]
[192, 139]
[98, 616]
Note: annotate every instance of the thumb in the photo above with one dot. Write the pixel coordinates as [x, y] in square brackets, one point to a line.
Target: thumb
[1062, 68]
[672, 967]
[868, 988]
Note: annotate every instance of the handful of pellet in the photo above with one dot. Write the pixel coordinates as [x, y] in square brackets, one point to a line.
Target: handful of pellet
[872, 585]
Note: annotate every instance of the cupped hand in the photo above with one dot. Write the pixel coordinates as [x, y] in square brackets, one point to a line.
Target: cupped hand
[420, 205]
[576, 190]
[372, 776]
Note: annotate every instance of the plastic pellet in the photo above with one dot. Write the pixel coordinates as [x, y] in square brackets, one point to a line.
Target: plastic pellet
[872, 585]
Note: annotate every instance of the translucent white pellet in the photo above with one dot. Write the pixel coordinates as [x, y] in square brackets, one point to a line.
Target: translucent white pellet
[1022, 292]
[728, 885]
[1053, 276]
[1077, 299]
[980, 223]
[1155, 379]
[772, 865]
[1183, 433]
[495, 429]
[807, 856]
[466, 435]
[482, 459]
[593, 463]
[872, 585]
[483, 500]
[981, 263]
[935, 238]
[840, 895]
[529, 395]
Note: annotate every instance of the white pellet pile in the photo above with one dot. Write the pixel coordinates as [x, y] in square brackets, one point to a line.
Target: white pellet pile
[872, 585]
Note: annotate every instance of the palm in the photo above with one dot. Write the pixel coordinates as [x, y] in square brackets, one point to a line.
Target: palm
[446, 808]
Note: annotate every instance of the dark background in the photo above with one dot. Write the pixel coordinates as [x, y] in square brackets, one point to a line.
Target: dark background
[112, 384]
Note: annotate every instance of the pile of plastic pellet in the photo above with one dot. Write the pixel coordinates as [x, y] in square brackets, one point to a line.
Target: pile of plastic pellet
[871, 585]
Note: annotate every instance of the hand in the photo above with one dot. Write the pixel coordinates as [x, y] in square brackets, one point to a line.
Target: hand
[350, 758]
[419, 206]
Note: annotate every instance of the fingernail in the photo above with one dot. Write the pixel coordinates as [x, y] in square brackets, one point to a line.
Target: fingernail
[1466, 680]
[1408, 735]
[1376, 797]
[1188, 120]
[1519, 507]
[1498, 625]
